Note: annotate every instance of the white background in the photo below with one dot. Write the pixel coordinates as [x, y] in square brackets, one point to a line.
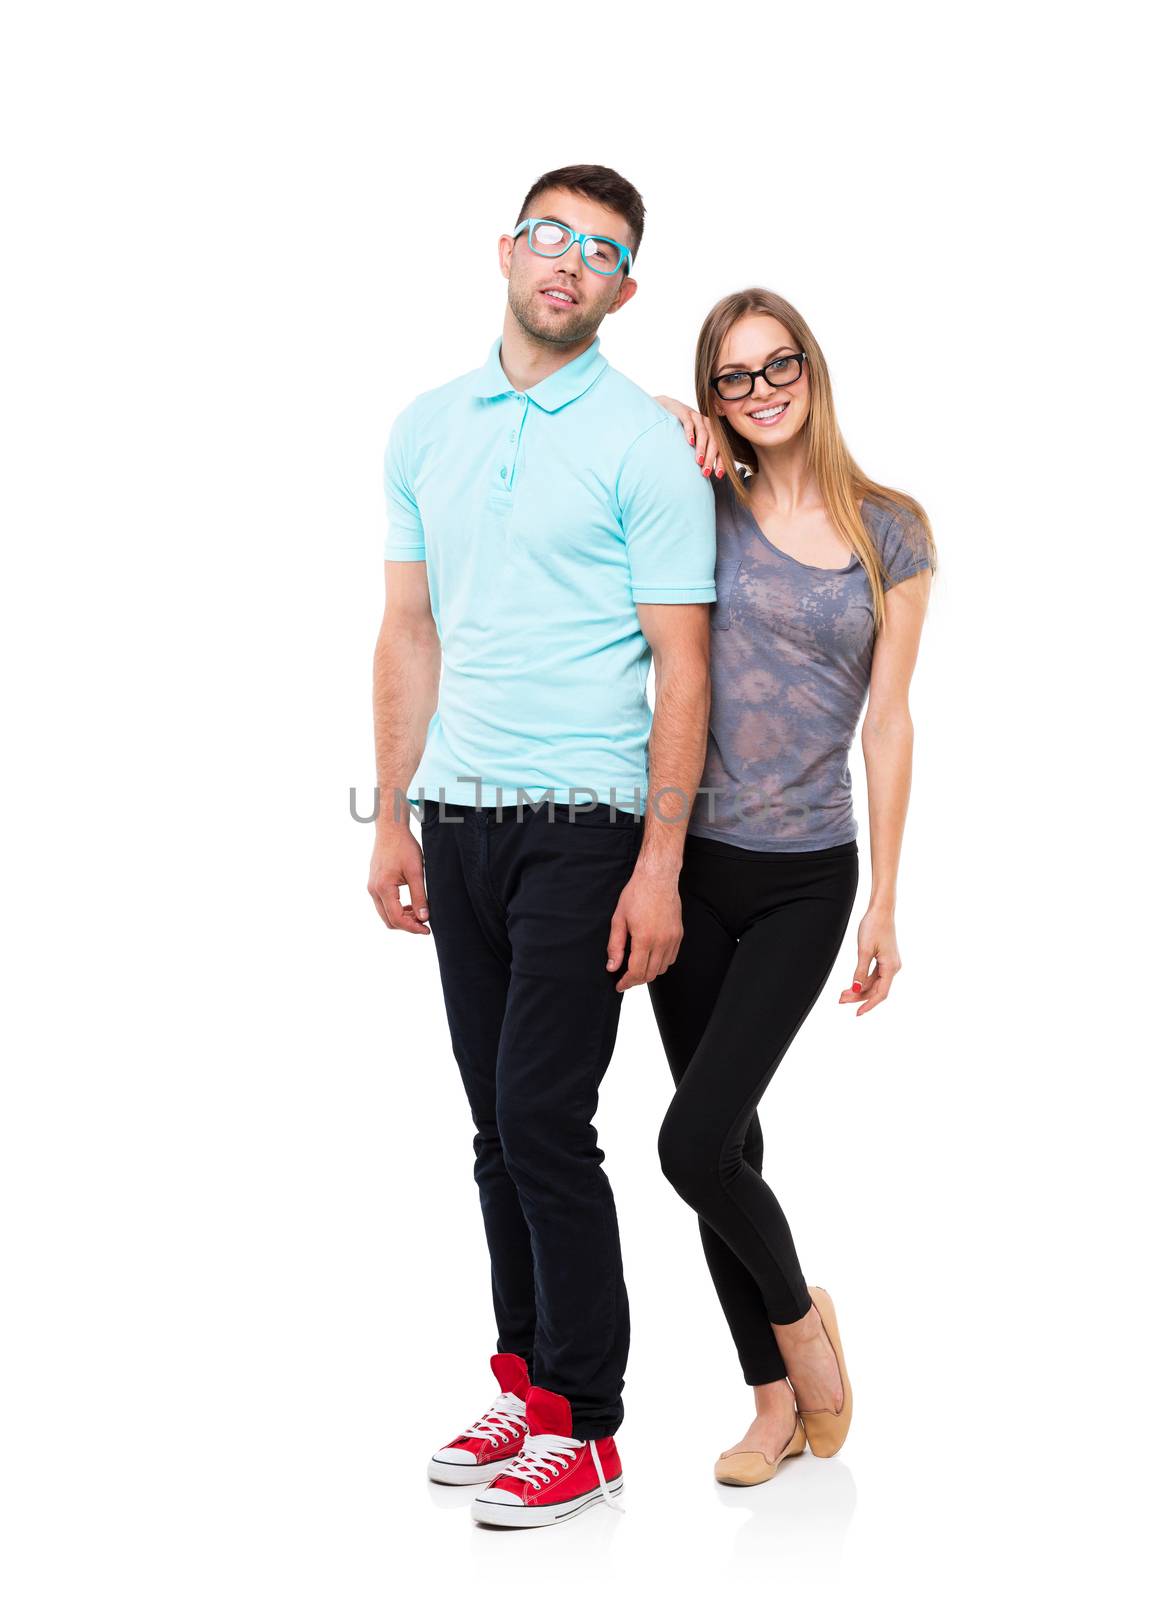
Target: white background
[243, 1263]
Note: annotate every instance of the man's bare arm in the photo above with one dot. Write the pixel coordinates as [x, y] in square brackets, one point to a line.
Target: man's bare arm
[649, 908]
[405, 691]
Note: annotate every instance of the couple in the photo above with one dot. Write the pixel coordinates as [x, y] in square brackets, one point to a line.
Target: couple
[550, 536]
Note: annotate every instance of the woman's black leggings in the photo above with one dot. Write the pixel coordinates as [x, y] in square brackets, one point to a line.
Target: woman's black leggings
[762, 931]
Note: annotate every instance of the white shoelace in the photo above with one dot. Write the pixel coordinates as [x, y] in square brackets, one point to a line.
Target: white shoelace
[500, 1422]
[542, 1455]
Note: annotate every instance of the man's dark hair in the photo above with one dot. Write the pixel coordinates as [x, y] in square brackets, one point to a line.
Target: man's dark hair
[594, 183]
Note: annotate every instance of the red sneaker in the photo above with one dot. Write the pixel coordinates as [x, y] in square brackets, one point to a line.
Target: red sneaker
[554, 1477]
[488, 1445]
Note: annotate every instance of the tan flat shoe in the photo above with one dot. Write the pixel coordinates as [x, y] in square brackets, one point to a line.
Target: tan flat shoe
[745, 1467]
[826, 1430]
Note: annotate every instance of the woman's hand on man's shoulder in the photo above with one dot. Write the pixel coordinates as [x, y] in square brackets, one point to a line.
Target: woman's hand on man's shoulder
[698, 432]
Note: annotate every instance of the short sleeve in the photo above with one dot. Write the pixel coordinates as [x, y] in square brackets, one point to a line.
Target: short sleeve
[904, 548]
[405, 536]
[667, 509]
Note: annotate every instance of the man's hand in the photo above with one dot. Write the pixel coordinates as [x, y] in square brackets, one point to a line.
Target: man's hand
[397, 860]
[648, 911]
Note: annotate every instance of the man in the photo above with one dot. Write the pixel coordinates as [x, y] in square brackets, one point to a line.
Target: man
[549, 537]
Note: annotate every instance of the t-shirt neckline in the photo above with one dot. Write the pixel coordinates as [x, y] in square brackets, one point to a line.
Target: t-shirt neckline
[754, 528]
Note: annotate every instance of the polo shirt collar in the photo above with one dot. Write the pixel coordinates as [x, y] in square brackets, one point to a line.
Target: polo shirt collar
[557, 390]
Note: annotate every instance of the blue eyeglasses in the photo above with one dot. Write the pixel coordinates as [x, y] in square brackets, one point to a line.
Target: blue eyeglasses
[547, 238]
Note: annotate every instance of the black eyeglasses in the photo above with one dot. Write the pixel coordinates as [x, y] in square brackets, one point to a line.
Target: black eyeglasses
[778, 373]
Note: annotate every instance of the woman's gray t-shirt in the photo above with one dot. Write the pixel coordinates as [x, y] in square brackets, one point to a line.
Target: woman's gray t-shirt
[791, 649]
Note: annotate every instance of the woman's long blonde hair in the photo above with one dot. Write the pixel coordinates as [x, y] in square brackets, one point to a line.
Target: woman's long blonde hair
[842, 484]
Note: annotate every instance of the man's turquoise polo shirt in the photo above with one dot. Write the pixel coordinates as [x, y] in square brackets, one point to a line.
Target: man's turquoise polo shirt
[544, 517]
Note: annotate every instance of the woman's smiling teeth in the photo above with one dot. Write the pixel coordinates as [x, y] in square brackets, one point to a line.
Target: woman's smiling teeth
[768, 414]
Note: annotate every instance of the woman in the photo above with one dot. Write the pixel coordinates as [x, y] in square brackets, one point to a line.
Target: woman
[822, 578]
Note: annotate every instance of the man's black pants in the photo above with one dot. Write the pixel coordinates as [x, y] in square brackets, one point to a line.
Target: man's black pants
[520, 909]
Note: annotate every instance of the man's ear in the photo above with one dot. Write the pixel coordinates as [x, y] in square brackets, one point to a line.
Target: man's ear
[506, 245]
[626, 292]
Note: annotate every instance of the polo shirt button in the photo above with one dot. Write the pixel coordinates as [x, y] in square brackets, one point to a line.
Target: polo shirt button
[512, 437]
[503, 472]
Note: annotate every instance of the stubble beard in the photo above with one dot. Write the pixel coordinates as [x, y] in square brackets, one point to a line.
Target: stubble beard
[533, 319]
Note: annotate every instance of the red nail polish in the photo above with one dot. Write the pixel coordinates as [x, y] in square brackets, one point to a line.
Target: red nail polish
[707, 472]
[858, 987]
[700, 460]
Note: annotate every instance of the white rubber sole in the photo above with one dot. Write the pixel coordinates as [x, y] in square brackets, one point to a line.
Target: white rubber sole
[455, 1473]
[493, 1514]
